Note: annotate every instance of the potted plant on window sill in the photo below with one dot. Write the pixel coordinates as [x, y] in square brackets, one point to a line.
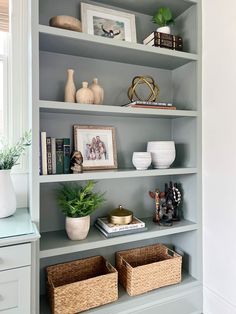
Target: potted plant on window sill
[9, 156]
[163, 18]
[77, 204]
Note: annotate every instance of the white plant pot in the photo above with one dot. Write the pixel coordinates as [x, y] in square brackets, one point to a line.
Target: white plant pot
[141, 160]
[77, 228]
[7, 194]
[164, 29]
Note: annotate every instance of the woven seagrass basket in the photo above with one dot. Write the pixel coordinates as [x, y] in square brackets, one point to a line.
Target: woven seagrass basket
[80, 285]
[147, 268]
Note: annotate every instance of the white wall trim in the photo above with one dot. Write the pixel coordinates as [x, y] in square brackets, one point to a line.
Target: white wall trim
[213, 303]
[18, 65]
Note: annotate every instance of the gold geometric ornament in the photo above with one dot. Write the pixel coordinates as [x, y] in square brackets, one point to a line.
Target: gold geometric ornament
[149, 82]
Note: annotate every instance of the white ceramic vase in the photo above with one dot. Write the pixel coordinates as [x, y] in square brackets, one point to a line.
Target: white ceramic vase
[164, 29]
[70, 89]
[84, 95]
[98, 92]
[77, 228]
[7, 194]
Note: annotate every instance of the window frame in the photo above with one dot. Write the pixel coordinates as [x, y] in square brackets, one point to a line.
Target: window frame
[17, 77]
[4, 59]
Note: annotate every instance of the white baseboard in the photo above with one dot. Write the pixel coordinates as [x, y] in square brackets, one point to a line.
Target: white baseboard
[214, 303]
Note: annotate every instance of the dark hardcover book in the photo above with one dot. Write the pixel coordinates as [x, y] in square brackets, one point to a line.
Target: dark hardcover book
[158, 35]
[49, 155]
[59, 156]
[119, 233]
[163, 43]
[66, 153]
[54, 163]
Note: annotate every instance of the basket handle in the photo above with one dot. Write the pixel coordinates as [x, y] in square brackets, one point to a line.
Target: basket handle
[123, 262]
[171, 252]
[109, 266]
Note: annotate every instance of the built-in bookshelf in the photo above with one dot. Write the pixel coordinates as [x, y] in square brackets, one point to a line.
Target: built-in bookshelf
[115, 63]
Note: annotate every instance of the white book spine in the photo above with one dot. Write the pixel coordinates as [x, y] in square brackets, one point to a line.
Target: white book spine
[44, 153]
[53, 143]
[121, 227]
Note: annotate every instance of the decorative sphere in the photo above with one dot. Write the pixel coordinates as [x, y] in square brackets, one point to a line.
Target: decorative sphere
[149, 82]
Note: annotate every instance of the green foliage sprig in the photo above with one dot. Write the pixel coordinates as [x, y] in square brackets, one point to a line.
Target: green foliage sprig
[78, 201]
[9, 155]
[163, 17]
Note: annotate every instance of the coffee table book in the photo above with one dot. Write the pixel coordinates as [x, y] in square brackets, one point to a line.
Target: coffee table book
[119, 233]
[111, 228]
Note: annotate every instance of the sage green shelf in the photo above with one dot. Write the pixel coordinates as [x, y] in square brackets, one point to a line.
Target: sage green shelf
[84, 45]
[57, 243]
[146, 302]
[177, 7]
[70, 108]
[115, 174]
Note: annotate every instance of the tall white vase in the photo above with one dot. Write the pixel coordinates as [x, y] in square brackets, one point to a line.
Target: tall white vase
[7, 194]
[70, 89]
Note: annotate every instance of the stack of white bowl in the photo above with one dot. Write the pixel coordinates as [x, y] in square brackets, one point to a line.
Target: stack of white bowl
[162, 152]
[141, 160]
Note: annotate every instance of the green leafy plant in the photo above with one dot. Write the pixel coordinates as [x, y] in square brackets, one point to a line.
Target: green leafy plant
[163, 17]
[78, 201]
[9, 155]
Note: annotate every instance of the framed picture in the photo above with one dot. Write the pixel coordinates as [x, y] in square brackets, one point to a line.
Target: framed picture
[97, 145]
[108, 23]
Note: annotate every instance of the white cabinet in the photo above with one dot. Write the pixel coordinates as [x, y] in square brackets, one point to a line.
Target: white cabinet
[15, 256]
[15, 291]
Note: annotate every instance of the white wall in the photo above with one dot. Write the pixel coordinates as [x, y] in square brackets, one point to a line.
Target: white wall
[20, 182]
[219, 155]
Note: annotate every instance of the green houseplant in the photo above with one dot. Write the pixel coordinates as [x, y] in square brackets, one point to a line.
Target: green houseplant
[9, 156]
[163, 18]
[77, 204]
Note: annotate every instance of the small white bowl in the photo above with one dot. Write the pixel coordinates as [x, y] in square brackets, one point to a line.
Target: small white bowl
[141, 160]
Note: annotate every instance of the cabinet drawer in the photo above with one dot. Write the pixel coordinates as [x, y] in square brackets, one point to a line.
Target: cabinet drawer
[15, 291]
[15, 256]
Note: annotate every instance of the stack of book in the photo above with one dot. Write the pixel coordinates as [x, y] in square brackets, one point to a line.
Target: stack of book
[169, 41]
[150, 105]
[54, 155]
[110, 230]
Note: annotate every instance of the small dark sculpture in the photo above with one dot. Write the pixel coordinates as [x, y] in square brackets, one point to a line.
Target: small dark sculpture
[110, 33]
[77, 162]
[166, 205]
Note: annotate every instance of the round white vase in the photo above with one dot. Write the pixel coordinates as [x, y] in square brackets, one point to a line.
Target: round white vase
[77, 228]
[164, 29]
[7, 194]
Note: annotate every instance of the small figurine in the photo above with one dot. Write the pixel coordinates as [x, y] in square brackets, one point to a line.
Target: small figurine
[77, 162]
[166, 204]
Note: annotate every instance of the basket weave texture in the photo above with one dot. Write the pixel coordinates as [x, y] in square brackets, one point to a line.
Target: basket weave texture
[80, 285]
[147, 268]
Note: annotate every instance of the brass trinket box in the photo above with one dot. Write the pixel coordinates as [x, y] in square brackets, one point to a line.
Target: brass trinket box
[120, 216]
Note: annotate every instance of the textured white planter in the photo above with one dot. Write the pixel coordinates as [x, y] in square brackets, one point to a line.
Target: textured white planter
[162, 152]
[164, 29]
[77, 228]
[141, 160]
[7, 194]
